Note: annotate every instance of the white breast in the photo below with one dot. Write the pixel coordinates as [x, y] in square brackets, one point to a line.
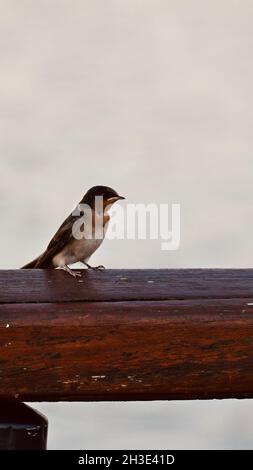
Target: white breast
[77, 250]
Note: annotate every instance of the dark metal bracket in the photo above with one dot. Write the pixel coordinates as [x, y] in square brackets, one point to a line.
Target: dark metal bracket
[22, 427]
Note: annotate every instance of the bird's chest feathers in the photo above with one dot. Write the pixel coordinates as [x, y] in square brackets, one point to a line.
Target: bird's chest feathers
[79, 249]
[84, 248]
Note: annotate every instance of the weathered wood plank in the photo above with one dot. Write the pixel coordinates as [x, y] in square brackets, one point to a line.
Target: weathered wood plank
[127, 350]
[24, 286]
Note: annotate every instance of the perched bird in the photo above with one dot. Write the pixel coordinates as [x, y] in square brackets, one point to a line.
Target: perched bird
[66, 247]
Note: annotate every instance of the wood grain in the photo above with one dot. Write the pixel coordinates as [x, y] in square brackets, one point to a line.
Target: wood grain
[47, 285]
[117, 336]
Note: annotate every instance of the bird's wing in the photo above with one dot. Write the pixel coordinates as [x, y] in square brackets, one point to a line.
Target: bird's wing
[58, 242]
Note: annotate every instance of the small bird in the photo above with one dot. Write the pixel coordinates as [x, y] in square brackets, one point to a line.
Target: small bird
[65, 248]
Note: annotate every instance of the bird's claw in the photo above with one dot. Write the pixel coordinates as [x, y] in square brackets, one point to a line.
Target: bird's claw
[99, 268]
[75, 274]
[95, 268]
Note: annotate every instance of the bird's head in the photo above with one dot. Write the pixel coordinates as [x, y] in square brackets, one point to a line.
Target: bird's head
[109, 196]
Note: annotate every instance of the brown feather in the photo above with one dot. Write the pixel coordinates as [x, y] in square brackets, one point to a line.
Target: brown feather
[59, 240]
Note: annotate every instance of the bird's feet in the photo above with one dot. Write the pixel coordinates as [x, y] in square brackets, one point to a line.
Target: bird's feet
[98, 268]
[71, 272]
[95, 268]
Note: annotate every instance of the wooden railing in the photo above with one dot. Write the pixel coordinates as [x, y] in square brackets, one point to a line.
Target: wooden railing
[126, 335]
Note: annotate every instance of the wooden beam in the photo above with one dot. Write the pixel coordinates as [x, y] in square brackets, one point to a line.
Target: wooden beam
[126, 335]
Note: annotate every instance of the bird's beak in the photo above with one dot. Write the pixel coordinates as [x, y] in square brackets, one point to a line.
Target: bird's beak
[115, 198]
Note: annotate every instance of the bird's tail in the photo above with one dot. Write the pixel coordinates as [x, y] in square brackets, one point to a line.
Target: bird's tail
[32, 264]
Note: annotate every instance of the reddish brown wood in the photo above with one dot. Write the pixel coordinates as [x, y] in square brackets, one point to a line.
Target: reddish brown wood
[53, 285]
[65, 340]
